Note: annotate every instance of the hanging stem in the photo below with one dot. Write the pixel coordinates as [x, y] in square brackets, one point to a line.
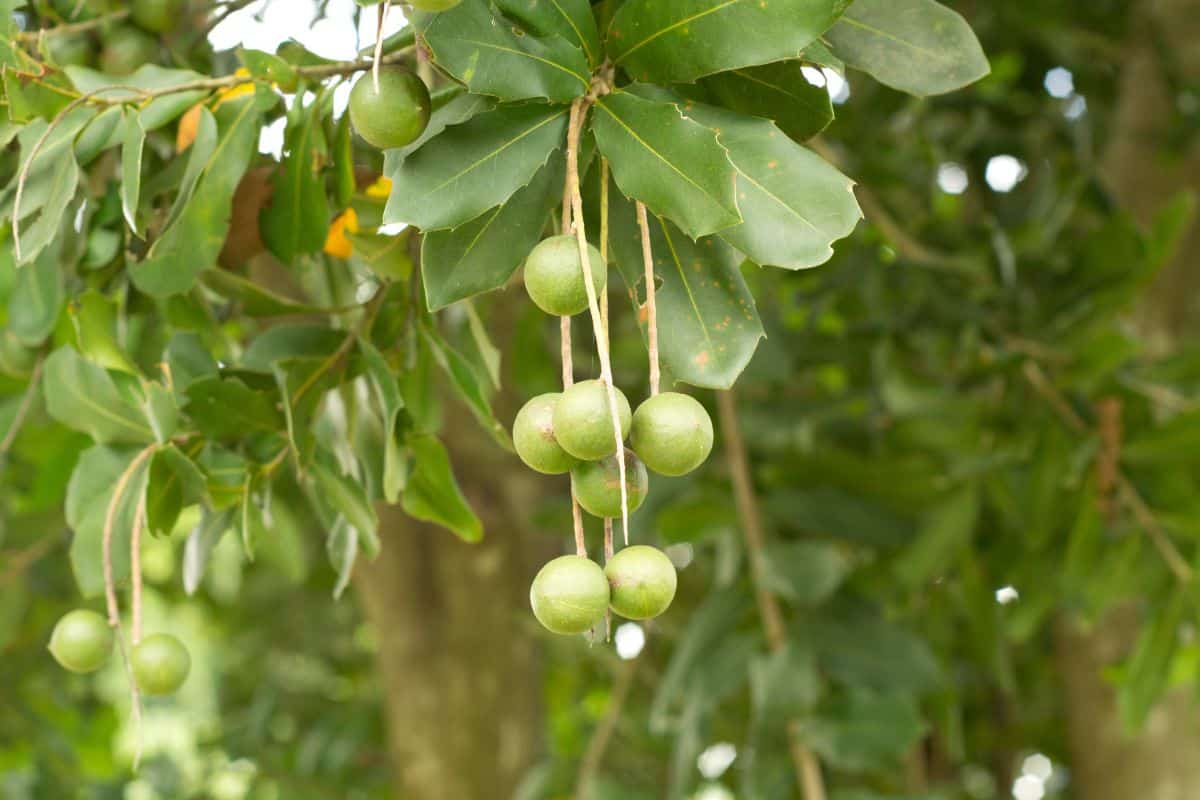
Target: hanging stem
[604, 238]
[135, 571]
[804, 761]
[578, 112]
[568, 378]
[383, 9]
[651, 304]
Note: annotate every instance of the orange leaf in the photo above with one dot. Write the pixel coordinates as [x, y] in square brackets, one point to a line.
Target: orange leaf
[336, 243]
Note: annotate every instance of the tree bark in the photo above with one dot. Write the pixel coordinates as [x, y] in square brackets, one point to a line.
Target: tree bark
[1160, 762]
[457, 656]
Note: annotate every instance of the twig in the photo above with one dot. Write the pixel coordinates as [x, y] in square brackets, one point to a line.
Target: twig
[575, 128]
[135, 571]
[568, 378]
[10, 435]
[808, 768]
[651, 304]
[383, 10]
[73, 27]
[598, 744]
[1130, 496]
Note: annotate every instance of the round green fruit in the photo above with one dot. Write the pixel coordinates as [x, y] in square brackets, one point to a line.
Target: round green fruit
[396, 114]
[160, 664]
[671, 433]
[583, 421]
[71, 50]
[157, 16]
[82, 641]
[554, 276]
[598, 485]
[533, 437]
[642, 581]
[433, 5]
[125, 49]
[569, 595]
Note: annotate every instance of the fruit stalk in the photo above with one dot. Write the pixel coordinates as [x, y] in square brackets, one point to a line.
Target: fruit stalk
[651, 305]
[135, 572]
[378, 55]
[568, 378]
[578, 113]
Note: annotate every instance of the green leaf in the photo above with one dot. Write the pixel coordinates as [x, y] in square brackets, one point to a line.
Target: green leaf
[671, 163]
[148, 77]
[804, 573]
[344, 181]
[455, 112]
[95, 319]
[391, 403]
[303, 382]
[678, 41]
[703, 300]
[200, 544]
[794, 203]
[174, 482]
[481, 255]
[82, 396]
[101, 133]
[1146, 673]
[59, 191]
[89, 494]
[917, 46]
[388, 257]
[297, 218]
[475, 44]
[37, 298]
[188, 361]
[1174, 442]
[194, 241]
[342, 547]
[848, 643]
[131, 169]
[784, 684]
[778, 92]
[348, 498]
[864, 730]
[474, 166]
[254, 299]
[947, 529]
[228, 409]
[201, 151]
[161, 410]
[467, 383]
[432, 493]
[571, 19]
[249, 520]
[299, 340]
[488, 352]
[269, 67]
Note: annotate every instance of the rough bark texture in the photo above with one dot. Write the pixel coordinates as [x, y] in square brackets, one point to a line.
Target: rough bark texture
[458, 658]
[1160, 763]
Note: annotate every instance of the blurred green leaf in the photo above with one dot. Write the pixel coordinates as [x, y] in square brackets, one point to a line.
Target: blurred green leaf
[432, 492]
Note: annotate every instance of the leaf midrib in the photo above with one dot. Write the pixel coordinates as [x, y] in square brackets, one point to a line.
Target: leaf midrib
[673, 26]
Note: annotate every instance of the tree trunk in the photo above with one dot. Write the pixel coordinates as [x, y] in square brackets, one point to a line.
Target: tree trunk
[1160, 762]
[457, 657]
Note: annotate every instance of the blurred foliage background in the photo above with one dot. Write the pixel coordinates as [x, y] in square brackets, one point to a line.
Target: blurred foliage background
[972, 437]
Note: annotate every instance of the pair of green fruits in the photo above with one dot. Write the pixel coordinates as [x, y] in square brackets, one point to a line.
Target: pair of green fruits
[82, 642]
[571, 594]
[125, 47]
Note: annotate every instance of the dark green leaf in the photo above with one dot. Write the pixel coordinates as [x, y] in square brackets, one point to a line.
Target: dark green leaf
[946, 530]
[298, 216]
[673, 164]
[200, 544]
[283, 342]
[474, 43]
[95, 319]
[467, 383]
[188, 360]
[778, 92]
[864, 730]
[1146, 673]
[228, 409]
[804, 573]
[432, 493]
[481, 255]
[571, 19]
[270, 67]
[474, 166]
[174, 482]
[131, 169]
[387, 393]
[917, 46]
[678, 41]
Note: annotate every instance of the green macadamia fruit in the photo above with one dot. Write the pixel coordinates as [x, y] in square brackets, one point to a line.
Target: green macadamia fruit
[642, 582]
[160, 664]
[671, 433]
[554, 276]
[125, 49]
[156, 16]
[583, 421]
[393, 116]
[82, 641]
[569, 595]
[598, 484]
[533, 437]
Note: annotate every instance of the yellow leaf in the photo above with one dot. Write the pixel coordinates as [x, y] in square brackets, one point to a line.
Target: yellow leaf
[336, 243]
[236, 91]
[188, 125]
[380, 189]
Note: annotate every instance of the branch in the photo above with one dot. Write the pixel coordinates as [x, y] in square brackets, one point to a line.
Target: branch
[74, 27]
[1130, 496]
[804, 761]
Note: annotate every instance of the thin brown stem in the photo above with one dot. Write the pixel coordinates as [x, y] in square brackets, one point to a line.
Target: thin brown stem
[378, 55]
[804, 761]
[73, 27]
[651, 303]
[574, 130]
[1130, 497]
[110, 521]
[604, 236]
[135, 572]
